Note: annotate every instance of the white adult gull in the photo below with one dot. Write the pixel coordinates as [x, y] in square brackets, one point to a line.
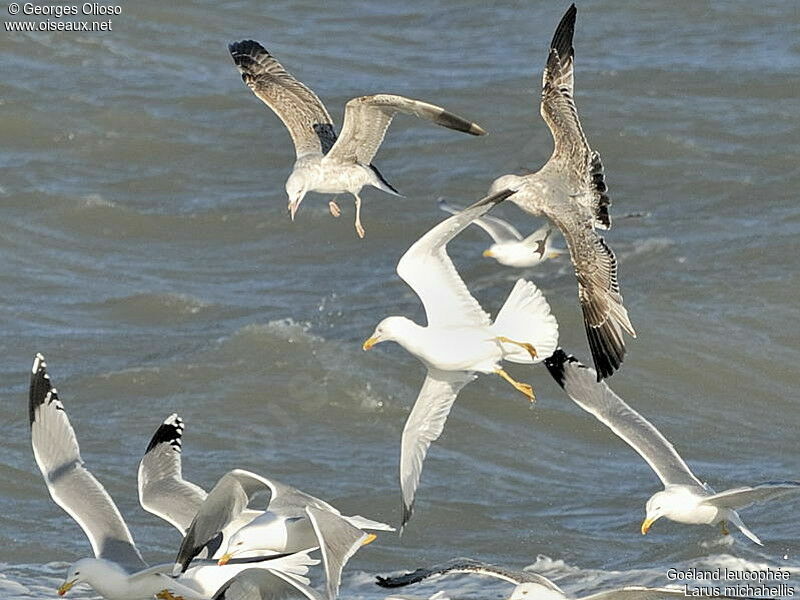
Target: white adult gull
[509, 247]
[326, 163]
[117, 571]
[265, 584]
[570, 191]
[529, 585]
[460, 339]
[685, 498]
[292, 521]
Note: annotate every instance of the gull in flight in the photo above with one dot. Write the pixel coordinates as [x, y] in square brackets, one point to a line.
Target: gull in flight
[326, 163]
[293, 521]
[570, 191]
[529, 585]
[685, 498]
[509, 247]
[460, 339]
[117, 571]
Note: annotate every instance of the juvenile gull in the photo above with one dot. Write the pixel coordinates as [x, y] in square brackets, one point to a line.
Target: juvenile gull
[570, 191]
[118, 571]
[685, 498]
[509, 247]
[326, 163]
[292, 521]
[460, 339]
[529, 585]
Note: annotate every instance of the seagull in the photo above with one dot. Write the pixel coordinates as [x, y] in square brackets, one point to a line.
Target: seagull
[510, 248]
[117, 571]
[529, 585]
[570, 191]
[165, 493]
[685, 498]
[326, 163]
[293, 521]
[460, 339]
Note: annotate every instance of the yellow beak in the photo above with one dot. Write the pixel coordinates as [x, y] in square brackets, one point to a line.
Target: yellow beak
[224, 559]
[646, 525]
[369, 343]
[65, 587]
[488, 253]
[369, 539]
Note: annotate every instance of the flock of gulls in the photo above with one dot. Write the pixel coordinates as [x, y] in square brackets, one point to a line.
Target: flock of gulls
[236, 544]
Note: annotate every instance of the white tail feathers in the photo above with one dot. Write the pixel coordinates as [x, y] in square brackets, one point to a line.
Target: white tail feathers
[526, 318]
[364, 523]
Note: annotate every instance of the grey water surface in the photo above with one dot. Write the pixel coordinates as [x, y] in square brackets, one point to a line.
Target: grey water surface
[146, 251]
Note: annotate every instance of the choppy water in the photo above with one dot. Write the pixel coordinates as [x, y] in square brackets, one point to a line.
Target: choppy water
[146, 252]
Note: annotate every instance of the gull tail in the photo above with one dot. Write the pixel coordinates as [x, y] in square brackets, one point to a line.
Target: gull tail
[737, 520]
[364, 523]
[526, 318]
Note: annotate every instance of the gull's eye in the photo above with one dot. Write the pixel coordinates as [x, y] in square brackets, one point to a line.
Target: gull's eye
[239, 543]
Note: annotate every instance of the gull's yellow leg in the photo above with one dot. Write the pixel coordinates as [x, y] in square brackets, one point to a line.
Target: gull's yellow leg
[359, 228]
[725, 528]
[167, 595]
[522, 387]
[529, 347]
[334, 208]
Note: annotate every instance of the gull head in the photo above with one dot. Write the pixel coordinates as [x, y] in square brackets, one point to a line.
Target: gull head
[296, 190]
[391, 329]
[81, 571]
[264, 534]
[513, 254]
[677, 503]
[654, 510]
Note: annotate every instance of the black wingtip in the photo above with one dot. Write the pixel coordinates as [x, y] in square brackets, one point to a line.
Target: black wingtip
[453, 121]
[608, 348]
[555, 365]
[245, 48]
[170, 432]
[562, 38]
[40, 387]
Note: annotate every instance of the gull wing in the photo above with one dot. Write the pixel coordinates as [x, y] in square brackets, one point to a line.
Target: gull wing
[539, 240]
[162, 489]
[572, 158]
[301, 111]
[425, 425]
[741, 497]
[499, 230]
[223, 505]
[597, 398]
[367, 118]
[265, 584]
[428, 270]
[338, 541]
[469, 566]
[70, 483]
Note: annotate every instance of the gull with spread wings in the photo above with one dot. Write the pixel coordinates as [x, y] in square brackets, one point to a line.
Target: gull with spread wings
[685, 498]
[570, 191]
[117, 571]
[460, 338]
[326, 163]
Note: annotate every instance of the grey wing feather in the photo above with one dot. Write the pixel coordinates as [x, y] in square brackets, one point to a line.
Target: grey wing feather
[338, 541]
[572, 158]
[423, 426]
[69, 482]
[469, 566]
[265, 584]
[741, 497]
[296, 105]
[580, 384]
[428, 270]
[367, 118]
[604, 315]
[227, 500]
[499, 230]
[162, 489]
